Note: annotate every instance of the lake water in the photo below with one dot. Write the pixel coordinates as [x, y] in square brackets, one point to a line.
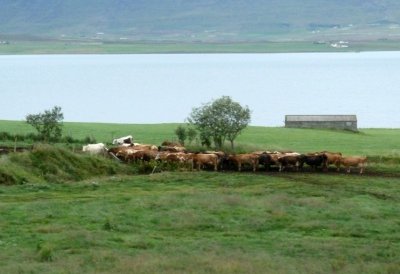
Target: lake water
[164, 88]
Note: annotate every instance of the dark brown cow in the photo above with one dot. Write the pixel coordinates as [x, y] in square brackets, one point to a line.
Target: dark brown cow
[265, 159]
[313, 160]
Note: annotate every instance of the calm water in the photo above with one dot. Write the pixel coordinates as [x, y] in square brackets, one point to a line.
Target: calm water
[164, 88]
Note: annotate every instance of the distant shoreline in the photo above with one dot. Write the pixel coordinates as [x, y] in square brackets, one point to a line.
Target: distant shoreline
[27, 47]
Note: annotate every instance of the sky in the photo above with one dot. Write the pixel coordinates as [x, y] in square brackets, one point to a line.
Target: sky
[162, 88]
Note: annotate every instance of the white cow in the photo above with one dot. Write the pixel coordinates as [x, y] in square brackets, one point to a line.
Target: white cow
[94, 149]
[123, 140]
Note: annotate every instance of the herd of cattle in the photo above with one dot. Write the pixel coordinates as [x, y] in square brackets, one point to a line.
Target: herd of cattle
[127, 151]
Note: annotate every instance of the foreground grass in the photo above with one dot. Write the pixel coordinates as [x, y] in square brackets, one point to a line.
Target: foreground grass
[203, 223]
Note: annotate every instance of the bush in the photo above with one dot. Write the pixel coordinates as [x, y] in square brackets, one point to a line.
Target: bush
[5, 136]
[32, 136]
[89, 140]
[70, 140]
[181, 133]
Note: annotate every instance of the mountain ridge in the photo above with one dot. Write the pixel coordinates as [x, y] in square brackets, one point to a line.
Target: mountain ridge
[189, 20]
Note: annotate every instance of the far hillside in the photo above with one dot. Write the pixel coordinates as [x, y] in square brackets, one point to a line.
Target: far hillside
[373, 142]
[199, 21]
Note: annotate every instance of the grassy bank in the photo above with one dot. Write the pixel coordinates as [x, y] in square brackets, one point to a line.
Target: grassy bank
[203, 223]
[47, 164]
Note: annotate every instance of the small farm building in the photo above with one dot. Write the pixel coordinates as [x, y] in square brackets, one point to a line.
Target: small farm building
[347, 122]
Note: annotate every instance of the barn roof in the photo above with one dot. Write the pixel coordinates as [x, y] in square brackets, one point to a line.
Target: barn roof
[321, 118]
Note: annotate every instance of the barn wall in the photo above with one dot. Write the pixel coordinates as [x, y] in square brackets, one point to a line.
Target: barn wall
[323, 124]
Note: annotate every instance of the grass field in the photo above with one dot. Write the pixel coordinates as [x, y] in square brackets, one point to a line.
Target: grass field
[90, 47]
[71, 213]
[373, 142]
[203, 223]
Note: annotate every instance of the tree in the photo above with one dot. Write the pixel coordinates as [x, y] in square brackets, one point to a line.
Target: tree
[185, 133]
[48, 124]
[181, 133]
[191, 134]
[220, 119]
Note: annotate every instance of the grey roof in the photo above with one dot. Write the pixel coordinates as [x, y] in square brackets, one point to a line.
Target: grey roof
[321, 118]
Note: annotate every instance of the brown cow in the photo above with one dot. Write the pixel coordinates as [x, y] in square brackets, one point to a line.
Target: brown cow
[145, 147]
[131, 155]
[354, 161]
[172, 148]
[289, 160]
[240, 159]
[275, 157]
[122, 149]
[171, 144]
[121, 152]
[201, 159]
[175, 157]
[333, 158]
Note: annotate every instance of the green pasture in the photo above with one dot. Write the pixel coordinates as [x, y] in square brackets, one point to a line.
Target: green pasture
[67, 212]
[203, 222]
[372, 142]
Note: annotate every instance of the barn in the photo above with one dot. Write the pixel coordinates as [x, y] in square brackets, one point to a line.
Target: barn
[346, 122]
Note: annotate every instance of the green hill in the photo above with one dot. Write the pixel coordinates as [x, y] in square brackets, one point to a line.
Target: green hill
[207, 20]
